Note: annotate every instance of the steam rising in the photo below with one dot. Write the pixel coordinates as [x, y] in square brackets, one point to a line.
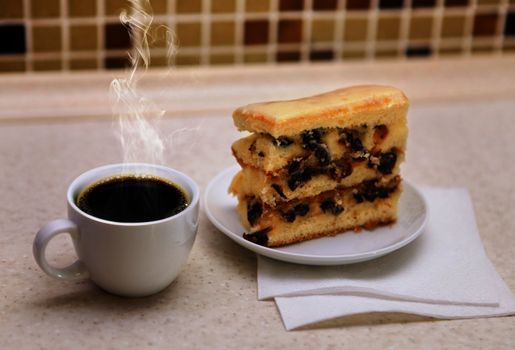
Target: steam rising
[139, 117]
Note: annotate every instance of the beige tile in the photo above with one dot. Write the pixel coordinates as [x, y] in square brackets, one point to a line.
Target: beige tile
[188, 34]
[221, 59]
[355, 29]
[255, 57]
[15, 65]
[47, 65]
[82, 8]
[223, 6]
[83, 64]
[322, 30]
[388, 28]
[222, 33]
[83, 38]
[257, 5]
[115, 7]
[45, 9]
[46, 39]
[421, 27]
[188, 6]
[11, 9]
[453, 26]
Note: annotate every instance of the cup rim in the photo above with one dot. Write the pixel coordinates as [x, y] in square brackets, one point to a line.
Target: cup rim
[195, 191]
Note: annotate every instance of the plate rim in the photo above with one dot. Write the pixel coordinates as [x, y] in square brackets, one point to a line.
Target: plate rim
[308, 259]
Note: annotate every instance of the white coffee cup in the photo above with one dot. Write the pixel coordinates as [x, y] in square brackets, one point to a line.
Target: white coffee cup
[129, 259]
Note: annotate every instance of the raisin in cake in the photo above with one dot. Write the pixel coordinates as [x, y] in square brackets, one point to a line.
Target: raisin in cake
[320, 165]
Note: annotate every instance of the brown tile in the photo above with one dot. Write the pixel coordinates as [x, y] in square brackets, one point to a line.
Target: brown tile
[388, 28]
[116, 36]
[256, 32]
[488, 2]
[450, 51]
[354, 55]
[83, 64]
[483, 48]
[255, 57]
[159, 61]
[423, 3]
[188, 6]
[82, 8]
[159, 35]
[11, 9]
[47, 65]
[357, 4]
[257, 5]
[83, 37]
[45, 9]
[508, 47]
[456, 3]
[291, 5]
[509, 25]
[287, 56]
[187, 60]
[115, 7]
[16, 65]
[13, 39]
[221, 59]
[159, 7]
[325, 5]
[322, 30]
[188, 34]
[420, 27]
[387, 53]
[46, 39]
[222, 33]
[117, 62]
[223, 6]
[321, 55]
[290, 31]
[453, 26]
[418, 51]
[485, 24]
[390, 4]
[355, 29]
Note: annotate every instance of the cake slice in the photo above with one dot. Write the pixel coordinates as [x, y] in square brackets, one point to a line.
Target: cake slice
[320, 165]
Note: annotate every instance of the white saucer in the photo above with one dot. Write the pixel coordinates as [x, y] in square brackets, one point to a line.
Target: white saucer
[346, 248]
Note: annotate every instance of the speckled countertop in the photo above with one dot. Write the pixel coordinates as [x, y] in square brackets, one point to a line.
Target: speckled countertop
[461, 134]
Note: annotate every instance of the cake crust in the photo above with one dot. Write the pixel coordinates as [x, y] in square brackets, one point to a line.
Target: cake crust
[339, 108]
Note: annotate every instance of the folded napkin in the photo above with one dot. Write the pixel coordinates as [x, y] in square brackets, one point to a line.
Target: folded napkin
[445, 273]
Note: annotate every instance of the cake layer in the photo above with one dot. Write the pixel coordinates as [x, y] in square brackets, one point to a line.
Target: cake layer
[330, 213]
[347, 107]
[275, 190]
[272, 154]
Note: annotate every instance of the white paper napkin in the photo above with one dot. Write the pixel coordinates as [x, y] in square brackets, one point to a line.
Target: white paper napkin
[444, 273]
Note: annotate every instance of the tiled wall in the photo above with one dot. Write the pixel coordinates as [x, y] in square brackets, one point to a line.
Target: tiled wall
[37, 35]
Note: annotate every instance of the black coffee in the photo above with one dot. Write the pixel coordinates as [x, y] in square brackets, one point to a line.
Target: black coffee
[132, 198]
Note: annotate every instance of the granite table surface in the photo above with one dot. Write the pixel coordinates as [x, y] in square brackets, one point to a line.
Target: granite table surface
[459, 142]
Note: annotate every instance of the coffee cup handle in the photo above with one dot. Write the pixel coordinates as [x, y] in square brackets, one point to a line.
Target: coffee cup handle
[77, 270]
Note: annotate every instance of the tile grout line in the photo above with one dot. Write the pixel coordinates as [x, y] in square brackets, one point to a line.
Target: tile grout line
[29, 39]
[65, 37]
